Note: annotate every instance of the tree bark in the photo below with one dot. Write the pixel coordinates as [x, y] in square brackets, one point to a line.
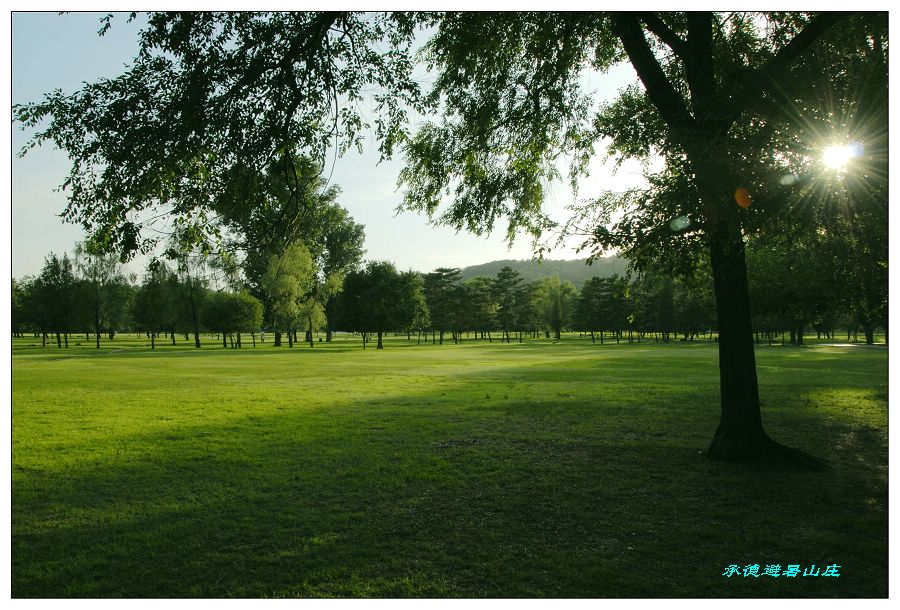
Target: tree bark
[740, 434]
[380, 344]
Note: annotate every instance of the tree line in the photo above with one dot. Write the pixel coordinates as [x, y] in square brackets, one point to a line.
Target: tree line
[797, 285]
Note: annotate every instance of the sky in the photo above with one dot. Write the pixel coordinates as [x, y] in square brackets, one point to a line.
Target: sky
[51, 51]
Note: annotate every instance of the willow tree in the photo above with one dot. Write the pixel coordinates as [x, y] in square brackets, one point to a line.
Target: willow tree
[210, 93]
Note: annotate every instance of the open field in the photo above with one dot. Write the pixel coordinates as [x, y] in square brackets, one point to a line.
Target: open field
[535, 470]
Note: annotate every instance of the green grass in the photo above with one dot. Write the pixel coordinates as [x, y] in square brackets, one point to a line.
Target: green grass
[533, 470]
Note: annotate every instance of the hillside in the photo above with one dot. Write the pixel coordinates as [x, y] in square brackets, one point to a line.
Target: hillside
[576, 271]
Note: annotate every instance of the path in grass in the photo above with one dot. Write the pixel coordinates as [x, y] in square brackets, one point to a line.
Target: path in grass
[473, 470]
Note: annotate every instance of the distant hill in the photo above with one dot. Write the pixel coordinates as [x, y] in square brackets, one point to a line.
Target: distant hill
[576, 271]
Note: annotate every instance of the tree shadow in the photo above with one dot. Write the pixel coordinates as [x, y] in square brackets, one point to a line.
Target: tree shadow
[412, 495]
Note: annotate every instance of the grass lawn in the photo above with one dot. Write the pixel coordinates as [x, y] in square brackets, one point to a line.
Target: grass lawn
[532, 470]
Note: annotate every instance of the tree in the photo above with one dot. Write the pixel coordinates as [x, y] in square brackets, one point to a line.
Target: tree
[483, 307]
[587, 308]
[189, 290]
[151, 309]
[101, 276]
[505, 288]
[18, 314]
[286, 282]
[413, 304]
[312, 315]
[719, 95]
[378, 299]
[440, 296]
[249, 315]
[559, 298]
[219, 314]
[53, 298]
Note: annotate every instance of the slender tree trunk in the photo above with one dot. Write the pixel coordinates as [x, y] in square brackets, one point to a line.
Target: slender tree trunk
[310, 331]
[380, 344]
[152, 341]
[239, 340]
[172, 335]
[66, 339]
[290, 334]
[224, 341]
[43, 339]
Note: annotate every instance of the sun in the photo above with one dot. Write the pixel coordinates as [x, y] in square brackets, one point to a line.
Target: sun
[838, 156]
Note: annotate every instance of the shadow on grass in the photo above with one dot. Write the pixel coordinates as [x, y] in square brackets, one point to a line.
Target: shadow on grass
[513, 499]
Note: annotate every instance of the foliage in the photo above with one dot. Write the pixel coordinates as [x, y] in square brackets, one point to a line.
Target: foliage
[212, 98]
[288, 279]
[379, 299]
[102, 281]
[507, 294]
[53, 296]
[151, 308]
[442, 298]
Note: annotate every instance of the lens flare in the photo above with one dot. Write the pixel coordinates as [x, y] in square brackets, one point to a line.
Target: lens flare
[788, 179]
[742, 196]
[838, 156]
[680, 224]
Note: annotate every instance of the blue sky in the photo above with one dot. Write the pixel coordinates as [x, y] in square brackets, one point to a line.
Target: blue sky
[52, 51]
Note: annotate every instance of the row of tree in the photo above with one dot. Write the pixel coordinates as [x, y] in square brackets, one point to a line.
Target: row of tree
[93, 294]
[796, 285]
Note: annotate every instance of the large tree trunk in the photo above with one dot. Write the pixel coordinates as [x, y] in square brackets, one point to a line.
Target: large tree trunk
[277, 338]
[740, 435]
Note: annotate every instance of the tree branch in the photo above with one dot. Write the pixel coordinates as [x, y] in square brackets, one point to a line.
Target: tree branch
[765, 79]
[699, 64]
[666, 34]
[661, 92]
